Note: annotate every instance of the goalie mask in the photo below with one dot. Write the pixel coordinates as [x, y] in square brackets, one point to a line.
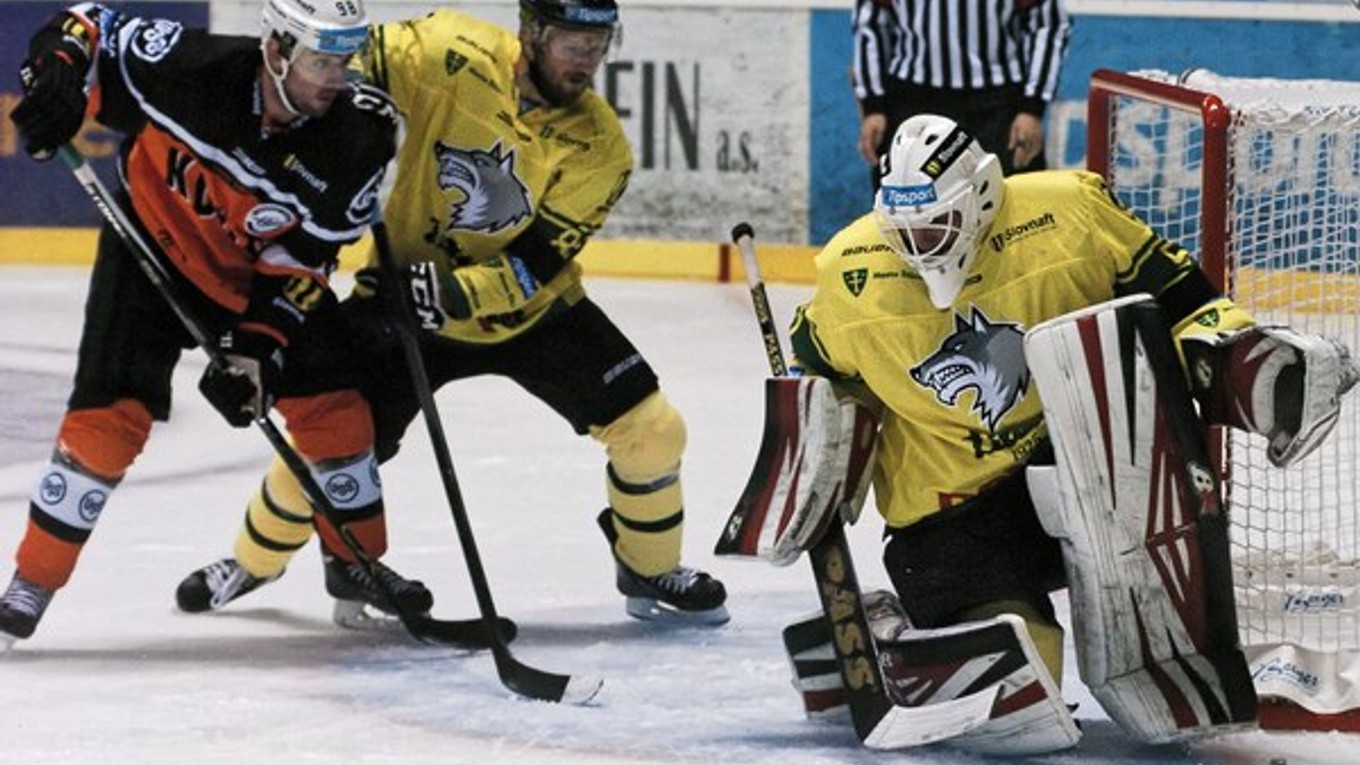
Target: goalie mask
[940, 192]
[337, 30]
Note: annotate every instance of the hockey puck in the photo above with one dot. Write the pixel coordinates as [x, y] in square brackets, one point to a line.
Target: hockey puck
[1278, 761]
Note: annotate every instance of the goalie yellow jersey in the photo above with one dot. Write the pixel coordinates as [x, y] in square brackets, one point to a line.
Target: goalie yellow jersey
[474, 173]
[960, 409]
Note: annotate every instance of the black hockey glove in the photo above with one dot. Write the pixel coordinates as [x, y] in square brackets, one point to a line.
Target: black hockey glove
[242, 390]
[53, 106]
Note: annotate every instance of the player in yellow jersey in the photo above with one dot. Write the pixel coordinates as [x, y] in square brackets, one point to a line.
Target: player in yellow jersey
[923, 306]
[510, 162]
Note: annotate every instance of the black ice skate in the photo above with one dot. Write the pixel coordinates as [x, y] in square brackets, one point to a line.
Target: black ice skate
[362, 603]
[682, 595]
[216, 585]
[21, 607]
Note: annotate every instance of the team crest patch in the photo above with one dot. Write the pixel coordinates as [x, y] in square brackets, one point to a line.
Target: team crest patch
[454, 61]
[91, 505]
[987, 357]
[494, 197]
[155, 39]
[268, 218]
[52, 488]
[855, 279]
[363, 204]
[342, 488]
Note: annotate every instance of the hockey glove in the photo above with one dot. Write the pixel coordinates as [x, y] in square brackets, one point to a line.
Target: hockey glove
[439, 293]
[1282, 384]
[241, 390]
[53, 106]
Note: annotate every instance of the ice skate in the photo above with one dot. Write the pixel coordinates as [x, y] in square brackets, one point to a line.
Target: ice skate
[21, 607]
[682, 595]
[216, 585]
[362, 603]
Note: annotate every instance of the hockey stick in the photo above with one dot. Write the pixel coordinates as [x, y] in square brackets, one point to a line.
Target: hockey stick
[471, 634]
[514, 674]
[744, 237]
[878, 722]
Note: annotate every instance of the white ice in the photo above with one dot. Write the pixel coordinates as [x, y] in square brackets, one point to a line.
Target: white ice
[116, 676]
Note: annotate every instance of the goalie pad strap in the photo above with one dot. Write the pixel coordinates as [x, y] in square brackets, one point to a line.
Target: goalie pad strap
[1135, 504]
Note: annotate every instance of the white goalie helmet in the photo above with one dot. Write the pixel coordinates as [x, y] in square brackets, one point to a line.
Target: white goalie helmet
[337, 27]
[940, 192]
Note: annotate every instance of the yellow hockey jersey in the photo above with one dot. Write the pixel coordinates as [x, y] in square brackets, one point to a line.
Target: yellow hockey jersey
[960, 409]
[474, 173]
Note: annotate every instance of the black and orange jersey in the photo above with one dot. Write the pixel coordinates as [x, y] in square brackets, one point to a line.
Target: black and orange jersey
[227, 203]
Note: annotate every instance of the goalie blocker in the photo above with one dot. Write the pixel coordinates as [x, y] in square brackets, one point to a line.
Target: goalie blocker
[814, 463]
[1135, 503]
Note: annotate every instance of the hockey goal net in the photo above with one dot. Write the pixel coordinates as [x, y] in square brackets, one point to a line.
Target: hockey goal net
[1261, 179]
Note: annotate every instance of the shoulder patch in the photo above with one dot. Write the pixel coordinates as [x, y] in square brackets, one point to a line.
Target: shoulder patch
[855, 279]
[154, 39]
[454, 61]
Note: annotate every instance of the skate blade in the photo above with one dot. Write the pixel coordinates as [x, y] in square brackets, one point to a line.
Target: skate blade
[653, 610]
[6, 642]
[358, 615]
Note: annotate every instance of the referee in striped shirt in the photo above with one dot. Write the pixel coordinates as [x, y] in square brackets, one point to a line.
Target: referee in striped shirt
[990, 65]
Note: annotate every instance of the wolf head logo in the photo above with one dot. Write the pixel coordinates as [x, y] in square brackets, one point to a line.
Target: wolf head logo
[493, 196]
[987, 357]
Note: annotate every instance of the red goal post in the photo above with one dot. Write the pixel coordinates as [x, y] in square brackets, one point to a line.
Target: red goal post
[1260, 178]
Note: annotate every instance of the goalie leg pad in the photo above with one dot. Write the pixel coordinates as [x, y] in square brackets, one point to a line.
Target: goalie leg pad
[1272, 381]
[992, 659]
[1028, 716]
[816, 675]
[1138, 515]
[814, 464]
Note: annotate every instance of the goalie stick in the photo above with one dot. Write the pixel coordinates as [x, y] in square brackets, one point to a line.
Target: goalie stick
[519, 677]
[471, 634]
[879, 723]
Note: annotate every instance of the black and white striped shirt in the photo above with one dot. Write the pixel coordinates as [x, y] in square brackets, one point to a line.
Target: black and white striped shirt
[959, 45]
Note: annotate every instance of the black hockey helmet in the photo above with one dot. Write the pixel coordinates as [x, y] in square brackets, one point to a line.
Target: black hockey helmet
[581, 14]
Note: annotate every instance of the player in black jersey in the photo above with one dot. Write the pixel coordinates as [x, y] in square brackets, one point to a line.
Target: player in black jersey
[248, 162]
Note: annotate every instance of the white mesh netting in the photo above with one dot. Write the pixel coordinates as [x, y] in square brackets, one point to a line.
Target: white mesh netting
[1292, 257]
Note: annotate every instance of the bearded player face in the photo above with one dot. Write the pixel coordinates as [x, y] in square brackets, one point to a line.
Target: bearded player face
[564, 61]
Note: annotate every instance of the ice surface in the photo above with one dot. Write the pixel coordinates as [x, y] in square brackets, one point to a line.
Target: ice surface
[116, 676]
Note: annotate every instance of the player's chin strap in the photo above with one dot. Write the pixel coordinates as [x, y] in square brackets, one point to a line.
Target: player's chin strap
[278, 77]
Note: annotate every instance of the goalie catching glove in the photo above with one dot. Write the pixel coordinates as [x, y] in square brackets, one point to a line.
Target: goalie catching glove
[1272, 381]
[440, 293]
